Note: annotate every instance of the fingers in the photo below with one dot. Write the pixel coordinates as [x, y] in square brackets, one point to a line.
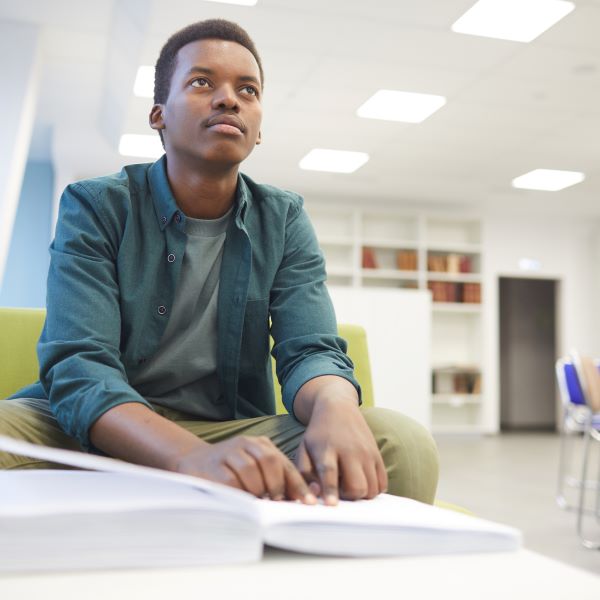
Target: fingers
[358, 480]
[245, 467]
[282, 479]
[304, 466]
[328, 477]
[228, 477]
[265, 471]
[257, 466]
[296, 487]
[320, 471]
[364, 478]
[382, 477]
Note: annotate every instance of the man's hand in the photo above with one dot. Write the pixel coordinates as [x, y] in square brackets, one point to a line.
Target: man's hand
[338, 455]
[253, 464]
[134, 433]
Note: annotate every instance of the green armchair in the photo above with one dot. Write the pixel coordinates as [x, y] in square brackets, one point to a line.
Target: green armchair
[21, 328]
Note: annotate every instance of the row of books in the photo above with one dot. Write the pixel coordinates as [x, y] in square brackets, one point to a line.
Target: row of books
[449, 263]
[455, 382]
[444, 291]
[406, 260]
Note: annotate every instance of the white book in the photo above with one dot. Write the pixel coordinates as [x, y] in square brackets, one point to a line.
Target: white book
[120, 515]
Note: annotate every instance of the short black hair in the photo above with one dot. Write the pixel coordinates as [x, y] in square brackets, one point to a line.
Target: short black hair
[218, 29]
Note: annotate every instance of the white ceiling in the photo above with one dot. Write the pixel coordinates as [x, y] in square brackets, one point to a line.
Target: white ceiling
[511, 107]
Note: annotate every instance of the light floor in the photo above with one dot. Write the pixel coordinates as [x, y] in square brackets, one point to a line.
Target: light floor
[511, 478]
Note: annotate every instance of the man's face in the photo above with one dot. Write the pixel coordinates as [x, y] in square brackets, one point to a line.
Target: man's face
[213, 113]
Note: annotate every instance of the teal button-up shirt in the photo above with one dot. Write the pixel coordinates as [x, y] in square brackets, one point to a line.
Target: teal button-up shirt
[114, 268]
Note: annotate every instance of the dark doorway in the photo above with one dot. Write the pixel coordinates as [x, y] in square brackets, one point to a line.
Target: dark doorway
[527, 354]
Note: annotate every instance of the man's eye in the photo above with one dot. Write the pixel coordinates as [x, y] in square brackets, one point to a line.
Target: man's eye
[200, 82]
[251, 90]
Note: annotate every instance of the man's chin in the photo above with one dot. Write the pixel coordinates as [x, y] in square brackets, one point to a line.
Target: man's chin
[214, 161]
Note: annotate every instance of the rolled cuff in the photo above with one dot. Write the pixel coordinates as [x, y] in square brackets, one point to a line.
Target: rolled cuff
[309, 369]
[77, 416]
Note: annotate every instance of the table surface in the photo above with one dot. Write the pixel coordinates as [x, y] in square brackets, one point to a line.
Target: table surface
[287, 576]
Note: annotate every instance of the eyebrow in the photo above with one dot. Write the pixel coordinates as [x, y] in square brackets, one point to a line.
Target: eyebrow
[207, 71]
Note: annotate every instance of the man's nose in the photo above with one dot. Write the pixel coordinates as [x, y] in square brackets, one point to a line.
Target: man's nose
[225, 98]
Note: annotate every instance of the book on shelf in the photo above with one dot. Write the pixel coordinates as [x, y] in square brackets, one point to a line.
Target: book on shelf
[471, 293]
[406, 260]
[369, 260]
[456, 379]
[453, 263]
[449, 263]
[447, 291]
[437, 263]
[465, 264]
[120, 515]
[443, 291]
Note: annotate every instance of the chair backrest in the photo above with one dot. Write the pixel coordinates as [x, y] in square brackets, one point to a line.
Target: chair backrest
[569, 385]
[20, 329]
[589, 378]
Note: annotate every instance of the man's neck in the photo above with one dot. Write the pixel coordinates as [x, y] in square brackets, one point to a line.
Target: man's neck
[202, 195]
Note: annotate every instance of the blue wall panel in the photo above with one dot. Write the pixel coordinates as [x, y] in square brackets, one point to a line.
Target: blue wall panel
[28, 259]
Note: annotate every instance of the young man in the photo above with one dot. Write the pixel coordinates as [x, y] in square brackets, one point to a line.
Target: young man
[162, 282]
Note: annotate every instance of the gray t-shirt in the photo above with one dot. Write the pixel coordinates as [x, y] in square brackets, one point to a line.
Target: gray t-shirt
[183, 372]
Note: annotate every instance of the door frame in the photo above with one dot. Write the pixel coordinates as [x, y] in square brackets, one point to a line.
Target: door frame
[558, 331]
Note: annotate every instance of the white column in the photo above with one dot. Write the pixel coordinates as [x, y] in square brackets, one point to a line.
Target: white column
[19, 73]
[129, 26]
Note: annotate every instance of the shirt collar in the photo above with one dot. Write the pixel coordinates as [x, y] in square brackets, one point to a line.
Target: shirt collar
[162, 197]
[165, 205]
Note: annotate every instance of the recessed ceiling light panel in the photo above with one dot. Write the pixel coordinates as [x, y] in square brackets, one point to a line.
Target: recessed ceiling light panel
[334, 161]
[408, 107]
[516, 20]
[238, 2]
[548, 180]
[142, 146]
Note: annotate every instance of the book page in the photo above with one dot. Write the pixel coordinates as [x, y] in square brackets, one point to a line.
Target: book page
[40, 492]
[242, 500]
[384, 510]
[385, 526]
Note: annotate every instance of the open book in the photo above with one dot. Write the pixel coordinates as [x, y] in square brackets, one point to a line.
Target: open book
[120, 515]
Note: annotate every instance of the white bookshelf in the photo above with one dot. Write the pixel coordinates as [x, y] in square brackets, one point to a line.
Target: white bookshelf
[447, 256]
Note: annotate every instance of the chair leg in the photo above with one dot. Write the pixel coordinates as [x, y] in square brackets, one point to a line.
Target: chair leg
[561, 500]
[590, 434]
[565, 480]
[598, 492]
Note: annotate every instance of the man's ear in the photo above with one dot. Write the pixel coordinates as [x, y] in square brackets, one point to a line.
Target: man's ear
[259, 138]
[156, 117]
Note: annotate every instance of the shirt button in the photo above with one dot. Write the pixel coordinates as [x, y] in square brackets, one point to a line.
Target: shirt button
[162, 310]
[171, 258]
[163, 220]
[177, 217]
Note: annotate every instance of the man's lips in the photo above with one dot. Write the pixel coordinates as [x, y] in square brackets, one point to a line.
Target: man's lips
[229, 124]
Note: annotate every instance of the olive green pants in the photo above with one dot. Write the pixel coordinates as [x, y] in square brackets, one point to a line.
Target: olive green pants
[408, 450]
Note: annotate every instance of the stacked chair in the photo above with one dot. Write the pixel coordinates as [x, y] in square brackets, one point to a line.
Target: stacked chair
[579, 385]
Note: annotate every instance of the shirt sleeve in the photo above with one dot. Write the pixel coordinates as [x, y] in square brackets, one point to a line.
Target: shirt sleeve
[303, 323]
[80, 367]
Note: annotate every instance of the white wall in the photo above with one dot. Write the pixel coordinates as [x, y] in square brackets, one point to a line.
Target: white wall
[398, 327]
[567, 249]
